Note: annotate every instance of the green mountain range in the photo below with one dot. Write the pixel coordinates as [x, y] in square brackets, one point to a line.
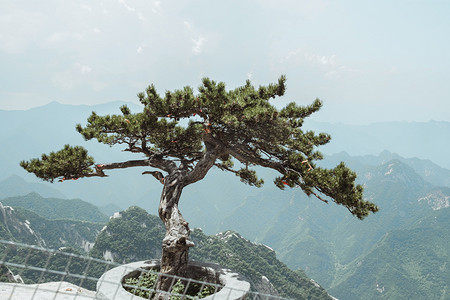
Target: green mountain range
[134, 235]
[391, 251]
[21, 225]
[405, 264]
[55, 208]
[324, 241]
[320, 239]
[352, 259]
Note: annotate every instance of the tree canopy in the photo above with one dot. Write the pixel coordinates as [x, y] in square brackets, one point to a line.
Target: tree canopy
[191, 131]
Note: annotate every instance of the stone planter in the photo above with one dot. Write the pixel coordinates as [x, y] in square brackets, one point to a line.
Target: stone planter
[109, 286]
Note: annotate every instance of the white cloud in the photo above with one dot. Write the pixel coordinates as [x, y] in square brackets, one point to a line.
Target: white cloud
[198, 41]
[83, 69]
[62, 37]
[136, 9]
[141, 16]
[342, 71]
[302, 56]
[156, 7]
[321, 59]
[129, 8]
[72, 77]
[198, 45]
[188, 25]
[139, 50]
[96, 30]
[328, 65]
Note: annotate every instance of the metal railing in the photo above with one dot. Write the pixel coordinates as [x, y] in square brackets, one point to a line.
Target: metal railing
[30, 272]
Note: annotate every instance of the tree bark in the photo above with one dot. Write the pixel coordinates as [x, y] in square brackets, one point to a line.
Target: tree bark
[176, 243]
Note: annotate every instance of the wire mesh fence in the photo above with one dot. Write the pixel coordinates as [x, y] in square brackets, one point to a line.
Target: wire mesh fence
[35, 273]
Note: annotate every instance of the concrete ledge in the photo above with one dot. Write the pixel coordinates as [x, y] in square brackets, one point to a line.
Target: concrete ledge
[109, 286]
[60, 290]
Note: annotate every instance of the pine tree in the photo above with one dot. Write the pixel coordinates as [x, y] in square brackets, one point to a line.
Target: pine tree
[185, 133]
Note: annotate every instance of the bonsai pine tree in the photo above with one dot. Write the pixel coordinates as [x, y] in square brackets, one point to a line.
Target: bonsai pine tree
[183, 134]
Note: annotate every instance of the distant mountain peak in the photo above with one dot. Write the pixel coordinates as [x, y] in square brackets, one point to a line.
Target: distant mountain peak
[393, 166]
[17, 186]
[53, 103]
[425, 168]
[14, 178]
[398, 173]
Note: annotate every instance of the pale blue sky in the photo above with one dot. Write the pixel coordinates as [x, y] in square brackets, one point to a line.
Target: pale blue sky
[368, 60]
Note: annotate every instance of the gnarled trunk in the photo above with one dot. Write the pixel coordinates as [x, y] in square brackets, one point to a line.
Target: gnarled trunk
[176, 242]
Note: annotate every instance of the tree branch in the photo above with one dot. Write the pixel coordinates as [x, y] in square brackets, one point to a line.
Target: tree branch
[202, 167]
[165, 165]
[125, 164]
[205, 163]
[246, 158]
[222, 167]
[158, 175]
[320, 198]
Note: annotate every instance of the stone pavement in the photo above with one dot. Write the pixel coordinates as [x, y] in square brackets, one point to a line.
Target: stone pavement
[45, 291]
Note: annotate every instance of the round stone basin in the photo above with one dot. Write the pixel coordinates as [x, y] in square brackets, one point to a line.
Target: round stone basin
[109, 286]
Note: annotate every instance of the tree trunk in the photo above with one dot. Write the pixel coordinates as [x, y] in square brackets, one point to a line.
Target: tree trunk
[176, 243]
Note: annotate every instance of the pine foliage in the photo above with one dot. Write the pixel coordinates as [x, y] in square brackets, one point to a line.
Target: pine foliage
[241, 124]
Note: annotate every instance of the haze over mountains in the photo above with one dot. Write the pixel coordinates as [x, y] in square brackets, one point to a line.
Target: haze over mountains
[404, 167]
[43, 129]
[425, 140]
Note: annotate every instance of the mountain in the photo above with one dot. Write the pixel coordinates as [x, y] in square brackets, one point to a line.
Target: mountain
[16, 186]
[324, 240]
[428, 170]
[133, 235]
[327, 242]
[437, 198]
[129, 236]
[24, 226]
[406, 264]
[14, 228]
[257, 262]
[71, 236]
[54, 208]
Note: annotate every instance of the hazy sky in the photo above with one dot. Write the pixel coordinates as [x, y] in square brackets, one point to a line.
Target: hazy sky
[368, 60]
